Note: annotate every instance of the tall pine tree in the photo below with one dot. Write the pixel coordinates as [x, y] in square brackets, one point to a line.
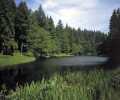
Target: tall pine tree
[59, 34]
[115, 37]
[7, 14]
[22, 26]
[41, 17]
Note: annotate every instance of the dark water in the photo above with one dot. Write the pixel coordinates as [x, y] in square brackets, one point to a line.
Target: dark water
[34, 71]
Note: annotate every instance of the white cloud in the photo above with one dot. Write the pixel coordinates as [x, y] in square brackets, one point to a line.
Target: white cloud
[49, 4]
[73, 12]
[90, 14]
[69, 14]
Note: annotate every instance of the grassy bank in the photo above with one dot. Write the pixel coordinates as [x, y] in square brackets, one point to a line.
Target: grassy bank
[6, 60]
[93, 85]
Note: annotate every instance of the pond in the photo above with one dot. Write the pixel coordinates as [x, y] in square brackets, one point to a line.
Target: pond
[34, 71]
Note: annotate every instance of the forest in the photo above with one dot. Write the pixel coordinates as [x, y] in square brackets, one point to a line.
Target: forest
[24, 30]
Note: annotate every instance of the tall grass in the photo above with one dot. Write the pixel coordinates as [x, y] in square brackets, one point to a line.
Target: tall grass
[91, 85]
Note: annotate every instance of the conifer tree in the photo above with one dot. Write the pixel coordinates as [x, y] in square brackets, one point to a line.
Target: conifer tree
[22, 26]
[7, 14]
[53, 36]
[59, 34]
[41, 17]
[115, 36]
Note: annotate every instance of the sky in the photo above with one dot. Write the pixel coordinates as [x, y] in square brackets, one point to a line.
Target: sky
[86, 14]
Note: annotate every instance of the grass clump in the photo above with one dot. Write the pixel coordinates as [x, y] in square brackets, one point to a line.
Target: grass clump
[92, 85]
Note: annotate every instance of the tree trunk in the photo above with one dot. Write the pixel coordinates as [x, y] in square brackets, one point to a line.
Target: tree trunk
[21, 49]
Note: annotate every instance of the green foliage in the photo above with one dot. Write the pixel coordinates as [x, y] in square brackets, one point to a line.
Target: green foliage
[59, 35]
[92, 85]
[7, 14]
[21, 24]
[114, 24]
[39, 39]
[12, 43]
[36, 30]
[41, 18]
[75, 48]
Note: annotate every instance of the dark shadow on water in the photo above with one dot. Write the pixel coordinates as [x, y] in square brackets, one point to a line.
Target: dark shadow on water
[111, 64]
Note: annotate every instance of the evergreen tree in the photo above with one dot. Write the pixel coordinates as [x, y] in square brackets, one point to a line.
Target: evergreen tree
[111, 46]
[113, 25]
[115, 36]
[22, 26]
[39, 39]
[51, 30]
[59, 34]
[50, 25]
[7, 14]
[41, 17]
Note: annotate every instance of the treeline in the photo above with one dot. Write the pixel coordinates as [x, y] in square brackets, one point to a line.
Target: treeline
[22, 29]
[111, 47]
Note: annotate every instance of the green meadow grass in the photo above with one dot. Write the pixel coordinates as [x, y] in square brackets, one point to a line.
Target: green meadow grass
[92, 85]
[17, 58]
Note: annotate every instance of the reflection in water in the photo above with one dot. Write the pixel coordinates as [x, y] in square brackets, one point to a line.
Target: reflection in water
[26, 73]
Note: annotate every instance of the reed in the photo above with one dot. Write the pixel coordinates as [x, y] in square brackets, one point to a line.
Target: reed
[90, 85]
